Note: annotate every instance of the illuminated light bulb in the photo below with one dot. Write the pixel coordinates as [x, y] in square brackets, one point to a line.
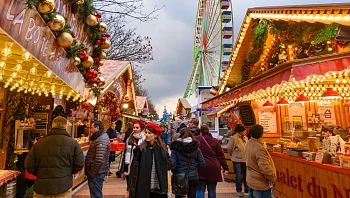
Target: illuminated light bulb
[299, 16]
[304, 16]
[42, 85]
[39, 93]
[311, 17]
[14, 74]
[21, 82]
[26, 56]
[347, 18]
[2, 64]
[337, 81]
[18, 67]
[12, 88]
[33, 92]
[25, 91]
[34, 69]
[10, 80]
[48, 73]
[30, 89]
[338, 18]
[31, 83]
[324, 17]
[6, 52]
[344, 81]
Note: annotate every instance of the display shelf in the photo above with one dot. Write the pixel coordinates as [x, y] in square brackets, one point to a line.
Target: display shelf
[41, 122]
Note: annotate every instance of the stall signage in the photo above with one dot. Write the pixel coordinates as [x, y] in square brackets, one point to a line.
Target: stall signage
[119, 88]
[297, 115]
[267, 119]
[246, 114]
[310, 186]
[327, 114]
[28, 29]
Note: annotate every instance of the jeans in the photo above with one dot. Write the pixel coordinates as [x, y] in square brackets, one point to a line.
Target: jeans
[240, 170]
[211, 189]
[193, 189]
[260, 193]
[96, 185]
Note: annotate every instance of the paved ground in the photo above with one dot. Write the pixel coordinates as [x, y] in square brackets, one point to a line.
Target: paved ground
[115, 187]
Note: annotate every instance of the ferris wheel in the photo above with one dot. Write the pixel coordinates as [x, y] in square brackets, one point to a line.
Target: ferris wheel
[213, 42]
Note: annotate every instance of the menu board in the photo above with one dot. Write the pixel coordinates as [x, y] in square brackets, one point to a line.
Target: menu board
[246, 114]
[267, 119]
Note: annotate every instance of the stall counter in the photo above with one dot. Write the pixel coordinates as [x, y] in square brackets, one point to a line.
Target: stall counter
[297, 177]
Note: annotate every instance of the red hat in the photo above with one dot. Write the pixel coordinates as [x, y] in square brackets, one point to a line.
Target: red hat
[139, 122]
[155, 127]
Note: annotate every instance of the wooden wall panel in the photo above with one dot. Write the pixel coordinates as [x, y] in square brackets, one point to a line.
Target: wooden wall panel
[300, 178]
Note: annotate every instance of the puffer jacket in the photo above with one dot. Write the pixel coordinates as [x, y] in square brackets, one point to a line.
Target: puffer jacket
[96, 160]
[53, 159]
[182, 153]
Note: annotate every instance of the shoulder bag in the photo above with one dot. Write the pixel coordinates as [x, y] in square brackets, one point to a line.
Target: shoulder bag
[179, 182]
[208, 145]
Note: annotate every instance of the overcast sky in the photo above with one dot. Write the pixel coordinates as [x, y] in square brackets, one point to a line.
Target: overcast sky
[172, 39]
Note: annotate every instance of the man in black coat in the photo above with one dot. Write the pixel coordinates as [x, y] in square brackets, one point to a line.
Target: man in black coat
[54, 159]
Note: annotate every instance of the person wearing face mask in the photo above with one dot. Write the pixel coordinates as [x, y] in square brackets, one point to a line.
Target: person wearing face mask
[135, 139]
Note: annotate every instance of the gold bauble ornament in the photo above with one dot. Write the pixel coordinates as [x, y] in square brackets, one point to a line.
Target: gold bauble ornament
[65, 40]
[101, 63]
[79, 2]
[103, 27]
[91, 20]
[101, 82]
[103, 55]
[76, 61]
[89, 62]
[46, 6]
[57, 23]
[106, 45]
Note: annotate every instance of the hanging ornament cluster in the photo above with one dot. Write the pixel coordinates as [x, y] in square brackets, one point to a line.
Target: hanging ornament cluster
[110, 101]
[87, 64]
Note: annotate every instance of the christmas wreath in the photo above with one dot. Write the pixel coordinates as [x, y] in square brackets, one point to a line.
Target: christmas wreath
[109, 105]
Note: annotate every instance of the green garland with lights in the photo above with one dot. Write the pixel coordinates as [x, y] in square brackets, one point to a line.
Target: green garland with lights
[96, 37]
[309, 38]
[260, 36]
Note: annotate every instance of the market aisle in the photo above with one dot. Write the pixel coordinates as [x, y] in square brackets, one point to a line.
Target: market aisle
[115, 187]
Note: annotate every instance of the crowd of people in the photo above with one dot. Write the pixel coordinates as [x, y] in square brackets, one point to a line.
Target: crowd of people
[194, 157]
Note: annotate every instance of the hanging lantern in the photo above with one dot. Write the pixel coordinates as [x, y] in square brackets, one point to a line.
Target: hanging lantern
[34, 69]
[6, 52]
[46, 6]
[103, 55]
[89, 62]
[282, 102]
[91, 20]
[57, 23]
[76, 61]
[18, 67]
[106, 45]
[302, 99]
[65, 40]
[103, 27]
[330, 94]
[26, 56]
[268, 104]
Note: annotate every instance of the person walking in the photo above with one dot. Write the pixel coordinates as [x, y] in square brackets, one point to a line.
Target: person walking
[135, 138]
[214, 158]
[261, 171]
[53, 159]
[128, 131]
[236, 149]
[111, 134]
[166, 137]
[96, 161]
[193, 126]
[149, 170]
[184, 153]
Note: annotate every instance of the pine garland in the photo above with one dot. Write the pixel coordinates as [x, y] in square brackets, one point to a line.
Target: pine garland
[326, 33]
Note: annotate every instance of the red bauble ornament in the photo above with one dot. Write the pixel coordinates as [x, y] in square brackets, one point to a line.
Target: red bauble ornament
[99, 15]
[103, 38]
[96, 59]
[98, 42]
[107, 35]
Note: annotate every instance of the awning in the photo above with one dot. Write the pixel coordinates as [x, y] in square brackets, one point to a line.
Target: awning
[300, 69]
[130, 116]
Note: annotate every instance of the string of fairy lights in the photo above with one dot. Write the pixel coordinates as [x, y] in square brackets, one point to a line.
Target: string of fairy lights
[36, 80]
